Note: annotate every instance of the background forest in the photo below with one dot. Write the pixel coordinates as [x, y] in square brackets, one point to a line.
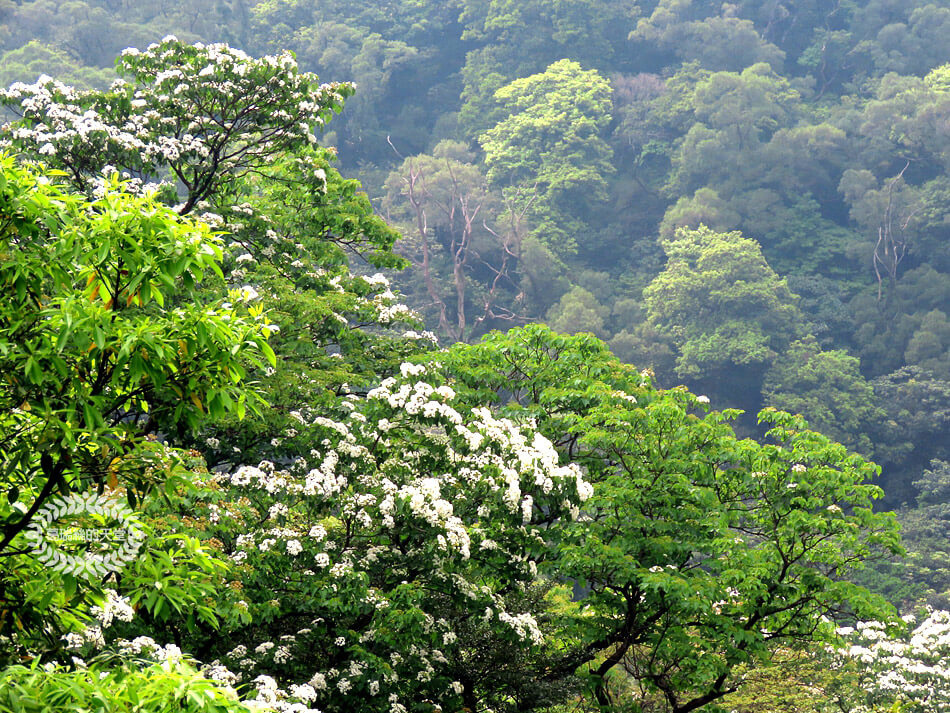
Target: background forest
[749, 198]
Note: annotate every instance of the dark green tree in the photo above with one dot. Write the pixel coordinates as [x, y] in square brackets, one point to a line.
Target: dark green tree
[826, 387]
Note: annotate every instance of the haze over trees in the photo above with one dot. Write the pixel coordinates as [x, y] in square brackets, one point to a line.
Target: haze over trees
[230, 258]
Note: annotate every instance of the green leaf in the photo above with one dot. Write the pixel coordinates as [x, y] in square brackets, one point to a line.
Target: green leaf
[268, 352]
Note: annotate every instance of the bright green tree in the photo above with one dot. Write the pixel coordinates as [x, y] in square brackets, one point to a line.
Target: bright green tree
[550, 151]
[700, 553]
[233, 137]
[99, 325]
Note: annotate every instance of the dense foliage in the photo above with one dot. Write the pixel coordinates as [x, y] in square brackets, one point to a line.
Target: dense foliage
[201, 317]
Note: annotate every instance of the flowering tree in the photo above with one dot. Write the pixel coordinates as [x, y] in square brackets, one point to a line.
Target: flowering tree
[161, 355]
[374, 564]
[203, 113]
[358, 563]
[289, 233]
[293, 234]
[235, 133]
[292, 223]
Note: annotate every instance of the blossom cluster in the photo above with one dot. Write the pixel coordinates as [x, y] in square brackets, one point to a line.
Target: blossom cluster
[185, 106]
[114, 607]
[910, 669]
[404, 512]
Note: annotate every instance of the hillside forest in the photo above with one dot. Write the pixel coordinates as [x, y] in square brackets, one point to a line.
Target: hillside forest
[477, 355]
